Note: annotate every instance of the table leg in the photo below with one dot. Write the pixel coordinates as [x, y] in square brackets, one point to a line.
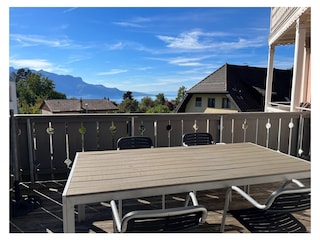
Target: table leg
[163, 201]
[120, 208]
[68, 215]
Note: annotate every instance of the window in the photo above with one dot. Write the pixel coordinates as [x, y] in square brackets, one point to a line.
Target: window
[198, 102]
[225, 103]
[211, 102]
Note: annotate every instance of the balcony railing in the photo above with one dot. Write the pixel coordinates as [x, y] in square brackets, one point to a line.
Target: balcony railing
[43, 147]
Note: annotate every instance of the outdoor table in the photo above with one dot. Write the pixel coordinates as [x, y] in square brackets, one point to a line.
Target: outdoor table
[124, 174]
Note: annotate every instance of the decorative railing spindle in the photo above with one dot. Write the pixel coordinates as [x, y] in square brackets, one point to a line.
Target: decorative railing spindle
[50, 131]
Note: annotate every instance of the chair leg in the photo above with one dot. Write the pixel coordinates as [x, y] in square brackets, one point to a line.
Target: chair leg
[247, 189]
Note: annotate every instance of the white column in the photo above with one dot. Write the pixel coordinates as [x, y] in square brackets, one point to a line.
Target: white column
[305, 73]
[269, 79]
[297, 77]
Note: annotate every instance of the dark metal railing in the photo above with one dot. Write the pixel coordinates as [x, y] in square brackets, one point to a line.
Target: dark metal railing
[43, 146]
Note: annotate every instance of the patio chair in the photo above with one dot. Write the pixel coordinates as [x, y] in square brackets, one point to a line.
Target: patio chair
[275, 215]
[160, 220]
[200, 138]
[134, 142]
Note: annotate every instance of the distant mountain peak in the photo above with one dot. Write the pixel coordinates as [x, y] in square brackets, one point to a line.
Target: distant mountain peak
[75, 87]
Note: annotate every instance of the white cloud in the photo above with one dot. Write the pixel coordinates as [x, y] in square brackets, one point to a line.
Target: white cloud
[37, 40]
[37, 64]
[185, 61]
[112, 72]
[242, 43]
[116, 46]
[184, 41]
[34, 40]
[198, 40]
[128, 24]
[135, 22]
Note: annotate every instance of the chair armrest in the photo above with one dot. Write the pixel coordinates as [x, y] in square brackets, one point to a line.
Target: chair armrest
[193, 198]
[295, 181]
[227, 202]
[116, 216]
[248, 197]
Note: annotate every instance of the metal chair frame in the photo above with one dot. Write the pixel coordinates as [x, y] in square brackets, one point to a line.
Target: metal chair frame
[279, 205]
[160, 220]
[134, 142]
[197, 138]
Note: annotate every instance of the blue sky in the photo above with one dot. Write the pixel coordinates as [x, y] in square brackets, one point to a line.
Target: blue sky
[140, 48]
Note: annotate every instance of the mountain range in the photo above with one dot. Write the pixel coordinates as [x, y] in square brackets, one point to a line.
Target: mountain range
[75, 87]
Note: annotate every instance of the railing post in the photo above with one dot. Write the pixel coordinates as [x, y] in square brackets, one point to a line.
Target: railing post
[221, 128]
[279, 135]
[300, 136]
[13, 146]
[291, 126]
[155, 133]
[30, 150]
[132, 126]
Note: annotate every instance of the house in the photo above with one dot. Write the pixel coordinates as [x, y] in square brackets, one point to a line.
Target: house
[291, 26]
[234, 88]
[65, 106]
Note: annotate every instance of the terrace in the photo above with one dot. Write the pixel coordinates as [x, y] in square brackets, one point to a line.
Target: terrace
[44, 146]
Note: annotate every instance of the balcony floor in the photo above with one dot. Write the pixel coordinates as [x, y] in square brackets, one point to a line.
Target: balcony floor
[48, 217]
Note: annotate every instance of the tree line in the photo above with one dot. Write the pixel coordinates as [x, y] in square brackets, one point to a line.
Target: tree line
[33, 88]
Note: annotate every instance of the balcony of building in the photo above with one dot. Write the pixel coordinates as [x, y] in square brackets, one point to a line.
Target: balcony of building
[291, 26]
[43, 147]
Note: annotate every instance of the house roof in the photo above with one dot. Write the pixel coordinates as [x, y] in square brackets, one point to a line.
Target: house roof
[244, 85]
[74, 105]
[214, 83]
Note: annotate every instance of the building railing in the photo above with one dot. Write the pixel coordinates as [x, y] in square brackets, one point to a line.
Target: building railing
[285, 106]
[43, 147]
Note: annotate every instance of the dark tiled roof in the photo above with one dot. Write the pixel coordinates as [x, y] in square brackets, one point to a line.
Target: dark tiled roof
[245, 85]
[214, 83]
[74, 105]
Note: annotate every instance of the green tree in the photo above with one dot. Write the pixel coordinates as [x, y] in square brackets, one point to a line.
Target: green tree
[128, 104]
[33, 89]
[160, 99]
[146, 103]
[127, 95]
[181, 93]
[159, 109]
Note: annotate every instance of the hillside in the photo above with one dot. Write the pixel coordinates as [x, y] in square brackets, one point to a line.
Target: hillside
[77, 88]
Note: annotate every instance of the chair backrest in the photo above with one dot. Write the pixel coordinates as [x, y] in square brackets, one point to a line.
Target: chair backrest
[289, 200]
[164, 220]
[134, 142]
[200, 138]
